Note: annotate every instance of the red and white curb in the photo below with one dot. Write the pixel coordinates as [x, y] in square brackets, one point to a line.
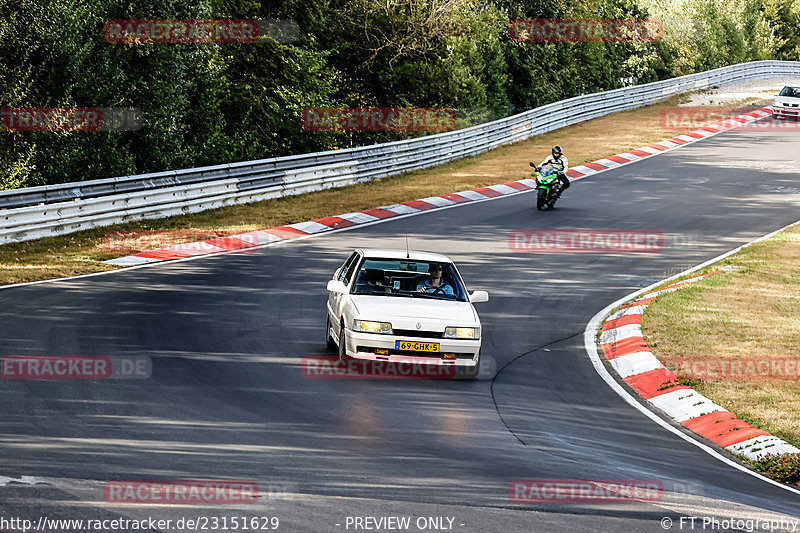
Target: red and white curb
[268, 236]
[623, 345]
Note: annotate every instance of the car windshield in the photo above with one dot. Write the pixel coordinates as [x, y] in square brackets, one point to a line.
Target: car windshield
[790, 91]
[409, 278]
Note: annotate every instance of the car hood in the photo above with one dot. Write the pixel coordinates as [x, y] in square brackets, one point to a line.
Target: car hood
[400, 310]
[787, 100]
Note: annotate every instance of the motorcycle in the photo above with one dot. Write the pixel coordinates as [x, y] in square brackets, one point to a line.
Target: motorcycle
[547, 188]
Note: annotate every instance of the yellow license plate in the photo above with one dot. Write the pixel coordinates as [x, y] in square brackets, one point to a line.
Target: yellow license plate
[415, 346]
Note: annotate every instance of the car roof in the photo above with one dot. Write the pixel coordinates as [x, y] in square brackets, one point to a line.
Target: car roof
[381, 253]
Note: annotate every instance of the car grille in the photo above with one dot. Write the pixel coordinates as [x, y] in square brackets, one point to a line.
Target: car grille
[431, 355]
[418, 333]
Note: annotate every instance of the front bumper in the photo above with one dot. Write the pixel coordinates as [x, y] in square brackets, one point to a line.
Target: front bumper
[363, 345]
[780, 111]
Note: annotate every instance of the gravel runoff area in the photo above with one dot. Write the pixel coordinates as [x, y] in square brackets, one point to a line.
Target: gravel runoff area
[764, 89]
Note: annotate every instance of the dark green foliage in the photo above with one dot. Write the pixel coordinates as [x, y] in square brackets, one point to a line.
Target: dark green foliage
[208, 104]
[784, 18]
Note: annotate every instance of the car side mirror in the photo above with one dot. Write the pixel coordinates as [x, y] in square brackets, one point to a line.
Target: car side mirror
[337, 286]
[532, 164]
[478, 297]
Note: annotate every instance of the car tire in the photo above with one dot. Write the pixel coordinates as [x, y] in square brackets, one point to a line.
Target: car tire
[328, 337]
[342, 343]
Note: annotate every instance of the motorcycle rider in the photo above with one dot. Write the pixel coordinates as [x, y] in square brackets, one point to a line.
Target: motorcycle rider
[559, 164]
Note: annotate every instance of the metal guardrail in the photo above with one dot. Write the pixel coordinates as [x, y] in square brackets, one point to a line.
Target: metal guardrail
[59, 209]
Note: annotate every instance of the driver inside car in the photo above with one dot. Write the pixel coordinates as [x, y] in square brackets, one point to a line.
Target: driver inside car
[435, 284]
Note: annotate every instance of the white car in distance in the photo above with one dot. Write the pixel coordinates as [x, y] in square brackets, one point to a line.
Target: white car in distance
[405, 307]
[787, 103]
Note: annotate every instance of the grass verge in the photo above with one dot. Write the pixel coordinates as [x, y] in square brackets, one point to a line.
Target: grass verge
[83, 252]
[750, 315]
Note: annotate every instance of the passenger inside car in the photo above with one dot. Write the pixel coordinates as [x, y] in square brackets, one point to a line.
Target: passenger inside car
[372, 281]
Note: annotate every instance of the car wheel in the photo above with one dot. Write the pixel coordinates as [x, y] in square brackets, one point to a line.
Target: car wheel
[328, 337]
[342, 344]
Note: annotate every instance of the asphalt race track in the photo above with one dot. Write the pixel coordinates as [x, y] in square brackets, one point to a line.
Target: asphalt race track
[227, 399]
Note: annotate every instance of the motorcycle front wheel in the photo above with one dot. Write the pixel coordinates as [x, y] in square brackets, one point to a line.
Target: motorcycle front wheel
[541, 199]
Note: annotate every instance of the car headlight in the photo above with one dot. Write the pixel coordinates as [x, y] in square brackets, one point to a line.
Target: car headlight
[462, 333]
[370, 326]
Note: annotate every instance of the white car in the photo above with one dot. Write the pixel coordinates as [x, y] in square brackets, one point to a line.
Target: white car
[787, 103]
[394, 305]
